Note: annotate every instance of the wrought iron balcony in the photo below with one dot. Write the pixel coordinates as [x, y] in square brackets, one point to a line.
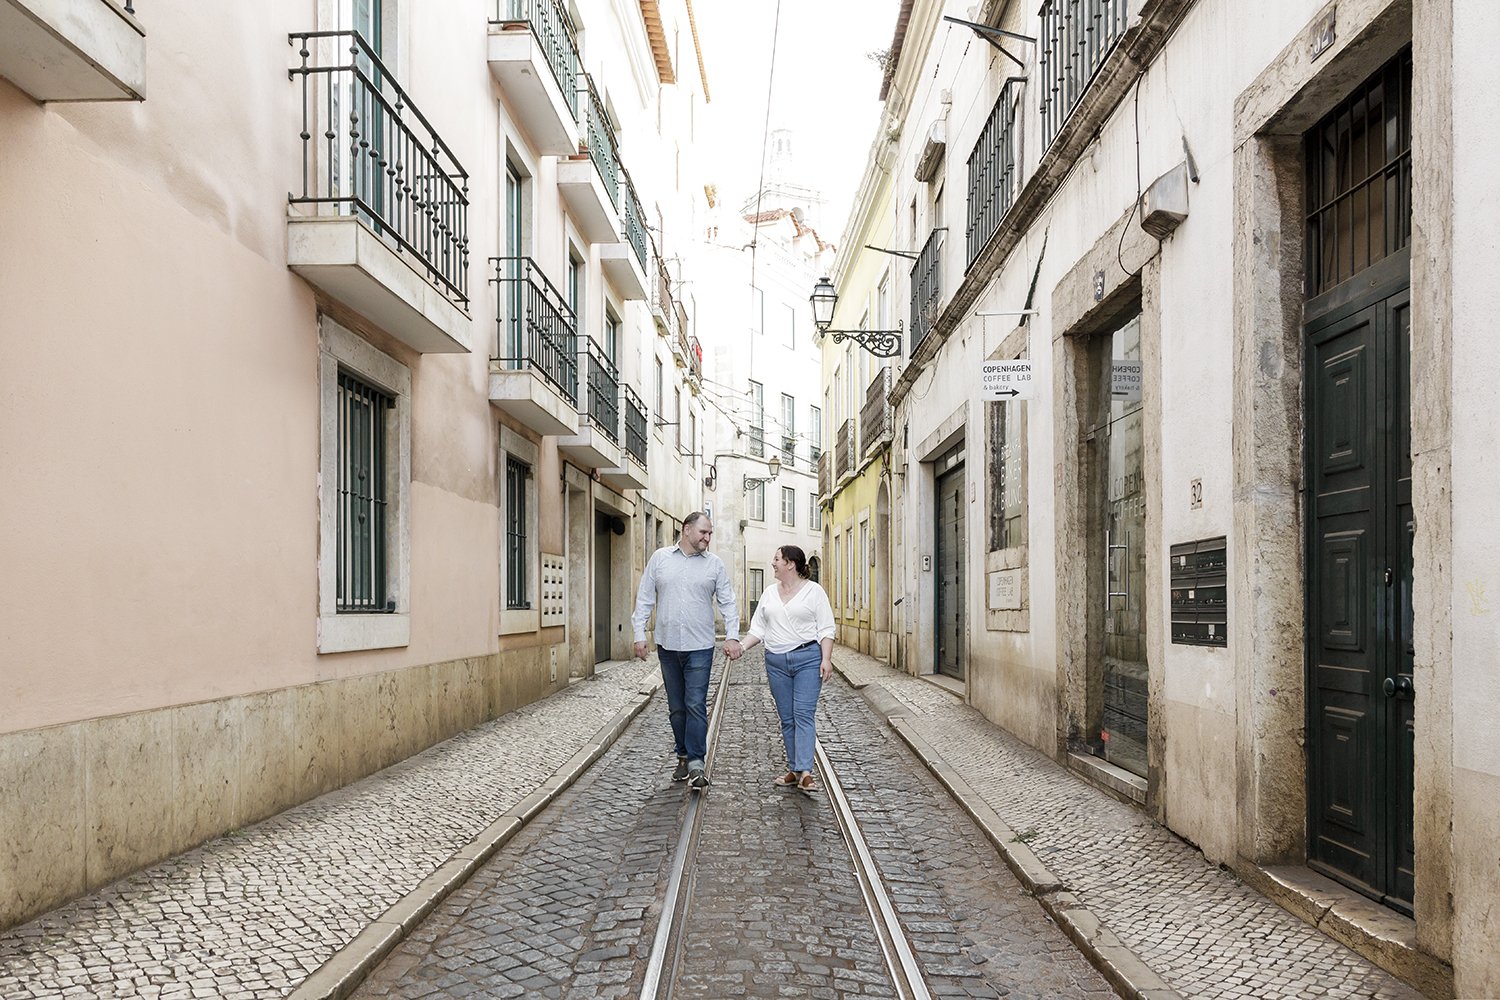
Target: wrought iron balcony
[757, 441]
[926, 287]
[602, 379]
[549, 22]
[635, 426]
[694, 351]
[875, 415]
[825, 474]
[992, 171]
[843, 450]
[1077, 36]
[536, 329]
[599, 140]
[80, 50]
[788, 452]
[368, 152]
[634, 224]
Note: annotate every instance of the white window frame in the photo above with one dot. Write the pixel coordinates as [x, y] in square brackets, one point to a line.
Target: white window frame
[520, 619]
[755, 505]
[789, 506]
[814, 512]
[342, 633]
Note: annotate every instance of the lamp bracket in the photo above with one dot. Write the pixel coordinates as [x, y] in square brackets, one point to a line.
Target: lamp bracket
[881, 343]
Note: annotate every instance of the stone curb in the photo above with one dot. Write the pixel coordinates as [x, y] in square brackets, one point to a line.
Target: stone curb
[1122, 967]
[341, 975]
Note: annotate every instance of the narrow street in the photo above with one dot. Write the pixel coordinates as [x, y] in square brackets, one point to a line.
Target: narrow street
[569, 908]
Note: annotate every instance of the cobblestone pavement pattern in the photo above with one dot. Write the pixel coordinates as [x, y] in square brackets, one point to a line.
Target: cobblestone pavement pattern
[1199, 927]
[252, 914]
[569, 908]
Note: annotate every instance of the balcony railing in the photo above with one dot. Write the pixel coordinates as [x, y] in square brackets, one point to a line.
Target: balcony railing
[553, 29]
[634, 223]
[926, 287]
[874, 416]
[825, 474]
[602, 380]
[1077, 36]
[599, 135]
[367, 151]
[788, 452]
[694, 354]
[661, 295]
[843, 449]
[535, 327]
[992, 171]
[635, 426]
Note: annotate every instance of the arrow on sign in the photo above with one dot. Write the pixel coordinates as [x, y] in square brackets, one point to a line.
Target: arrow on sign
[1006, 392]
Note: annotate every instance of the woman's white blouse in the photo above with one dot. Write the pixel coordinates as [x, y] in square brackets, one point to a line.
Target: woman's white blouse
[783, 627]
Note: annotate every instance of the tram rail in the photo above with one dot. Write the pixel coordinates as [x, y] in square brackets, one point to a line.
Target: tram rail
[663, 964]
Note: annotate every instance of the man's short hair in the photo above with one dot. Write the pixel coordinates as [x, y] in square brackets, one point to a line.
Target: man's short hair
[693, 518]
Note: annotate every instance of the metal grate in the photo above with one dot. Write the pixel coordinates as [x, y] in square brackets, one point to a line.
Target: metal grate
[992, 175]
[635, 224]
[536, 328]
[603, 381]
[1359, 178]
[367, 151]
[553, 29]
[635, 425]
[1077, 36]
[927, 284]
[516, 474]
[362, 498]
[599, 135]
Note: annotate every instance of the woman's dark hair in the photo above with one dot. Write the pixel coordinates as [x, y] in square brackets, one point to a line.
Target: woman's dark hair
[794, 555]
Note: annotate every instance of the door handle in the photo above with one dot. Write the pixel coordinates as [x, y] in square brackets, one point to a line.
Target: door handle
[1399, 687]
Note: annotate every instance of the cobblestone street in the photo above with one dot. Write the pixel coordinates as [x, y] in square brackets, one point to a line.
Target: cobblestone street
[570, 907]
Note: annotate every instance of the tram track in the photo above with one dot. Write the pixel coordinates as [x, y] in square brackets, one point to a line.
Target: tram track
[664, 961]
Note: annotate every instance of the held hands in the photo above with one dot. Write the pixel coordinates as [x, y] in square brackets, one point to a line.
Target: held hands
[640, 650]
[733, 650]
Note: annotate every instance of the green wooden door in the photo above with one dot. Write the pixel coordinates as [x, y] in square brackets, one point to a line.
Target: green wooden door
[948, 558]
[1359, 575]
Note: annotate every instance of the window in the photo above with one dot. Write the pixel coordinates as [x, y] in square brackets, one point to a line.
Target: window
[789, 506]
[756, 587]
[520, 550]
[865, 553]
[363, 515]
[693, 433]
[791, 327]
[661, 391]
[851, 564]
[757, 310]
[756, 503]
[611, 336]
[814, 512]
[575, 288]
[757, 419]
[788, 430]
[1007, 476]
[838, 583]
[815, 429]
[363, 537]
[517, 596]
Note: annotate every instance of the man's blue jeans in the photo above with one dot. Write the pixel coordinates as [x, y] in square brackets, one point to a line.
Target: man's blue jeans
[795, 684]
[684, 673]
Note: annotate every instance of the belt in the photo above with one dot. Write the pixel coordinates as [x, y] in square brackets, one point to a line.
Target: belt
[810, 642]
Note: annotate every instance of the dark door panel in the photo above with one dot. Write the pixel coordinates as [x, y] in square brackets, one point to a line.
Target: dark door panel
[948, 573]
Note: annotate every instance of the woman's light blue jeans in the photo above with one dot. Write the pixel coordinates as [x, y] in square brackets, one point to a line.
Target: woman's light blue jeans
[795, 685]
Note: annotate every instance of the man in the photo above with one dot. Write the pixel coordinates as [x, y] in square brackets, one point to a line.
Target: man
[683, 582]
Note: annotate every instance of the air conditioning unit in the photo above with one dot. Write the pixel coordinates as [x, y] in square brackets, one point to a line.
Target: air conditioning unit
[1165, 203]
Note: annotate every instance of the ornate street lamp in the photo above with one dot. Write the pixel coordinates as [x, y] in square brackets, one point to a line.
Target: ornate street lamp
[881, 343]
[751, 482]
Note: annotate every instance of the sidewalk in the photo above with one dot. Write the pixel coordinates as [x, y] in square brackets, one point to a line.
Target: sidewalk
[1158, 918]
[322, 887]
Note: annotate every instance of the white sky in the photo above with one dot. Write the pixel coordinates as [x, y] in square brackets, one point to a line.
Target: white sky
[825, 89]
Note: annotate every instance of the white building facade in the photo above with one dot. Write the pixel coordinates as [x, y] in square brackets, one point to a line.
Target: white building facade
[1210, 534]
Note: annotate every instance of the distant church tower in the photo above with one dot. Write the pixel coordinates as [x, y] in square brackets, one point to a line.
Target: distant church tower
[782, 189]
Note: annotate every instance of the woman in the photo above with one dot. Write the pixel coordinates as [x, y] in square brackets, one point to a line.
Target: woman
[795, 621]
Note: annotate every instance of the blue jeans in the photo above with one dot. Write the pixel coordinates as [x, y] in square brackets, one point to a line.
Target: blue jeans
[684, 673]
[795, 684]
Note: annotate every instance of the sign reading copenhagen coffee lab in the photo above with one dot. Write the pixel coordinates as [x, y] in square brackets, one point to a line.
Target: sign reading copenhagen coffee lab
[1005, 380]
[1125, 380]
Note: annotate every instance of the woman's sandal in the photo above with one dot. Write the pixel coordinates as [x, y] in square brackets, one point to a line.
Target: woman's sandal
[790, 778]
[806, 783]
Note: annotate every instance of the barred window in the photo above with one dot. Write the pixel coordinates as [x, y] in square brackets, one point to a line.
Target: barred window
[363, 504]
[516, 582]
[1007, 479]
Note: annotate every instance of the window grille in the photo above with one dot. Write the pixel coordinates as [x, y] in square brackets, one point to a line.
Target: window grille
[362, 498]
[1359, 178]
[757, 419]
[516, 582]
[992, 184]
[1077, 36]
